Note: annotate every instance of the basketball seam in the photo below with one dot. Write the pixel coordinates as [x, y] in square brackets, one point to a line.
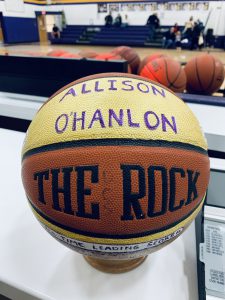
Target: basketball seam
[197, 73]
[172, 83]
[165, 64]
[212, 78]
[112, 236]
[114, 142]
[152, 74]
[132, 60]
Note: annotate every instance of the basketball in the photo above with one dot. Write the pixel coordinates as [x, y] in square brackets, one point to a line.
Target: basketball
[108, 56]
[31, 53]
[56, 53]
[205, 74]
[111, 56]
[70, 55]
[166, 71]
[130, 55]
[88, 53]
[115, 166]
[148, 59]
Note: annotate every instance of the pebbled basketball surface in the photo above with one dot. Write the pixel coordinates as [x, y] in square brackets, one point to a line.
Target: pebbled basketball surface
[205, 74]
[114, 164]
[166, 71]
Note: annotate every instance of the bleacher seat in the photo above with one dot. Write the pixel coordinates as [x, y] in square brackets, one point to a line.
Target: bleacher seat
[101, 35]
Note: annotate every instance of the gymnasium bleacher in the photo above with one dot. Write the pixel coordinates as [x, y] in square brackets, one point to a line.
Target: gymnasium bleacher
[101, 35]
[70, 35]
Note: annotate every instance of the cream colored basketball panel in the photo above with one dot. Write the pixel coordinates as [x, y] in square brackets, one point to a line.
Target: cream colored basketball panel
[114, 107]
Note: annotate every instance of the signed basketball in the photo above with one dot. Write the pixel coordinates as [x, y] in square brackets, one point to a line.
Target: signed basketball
[115, 166]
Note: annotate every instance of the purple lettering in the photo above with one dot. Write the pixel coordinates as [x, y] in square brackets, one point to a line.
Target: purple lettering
[70, 92]
[126, 83]
[97, 117]
[65, 119]
[145, 85]
[166, 121]
[155, 91]
[97, 89]
[112, 87]
[76, 119]
[130, 122]
[112, 115]
[147, 122]
[83, 90]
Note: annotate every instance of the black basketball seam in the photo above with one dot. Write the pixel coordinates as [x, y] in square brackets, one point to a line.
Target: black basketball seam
[123, 52]
[110, 236]
[114, 142]
[212, 78]
[177, 86]
[199, 80]
[172, 83]
[152, 74]
[132, 60]
[165, 64]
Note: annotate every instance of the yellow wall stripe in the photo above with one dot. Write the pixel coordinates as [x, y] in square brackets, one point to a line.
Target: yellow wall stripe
[58, 2]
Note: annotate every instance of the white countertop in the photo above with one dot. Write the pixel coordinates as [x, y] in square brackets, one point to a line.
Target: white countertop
[34, 265]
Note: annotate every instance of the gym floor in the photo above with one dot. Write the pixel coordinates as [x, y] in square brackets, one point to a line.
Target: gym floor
[180, 55]
[42, 49]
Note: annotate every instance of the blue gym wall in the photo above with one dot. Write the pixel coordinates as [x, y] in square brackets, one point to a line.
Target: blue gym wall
[20, 30]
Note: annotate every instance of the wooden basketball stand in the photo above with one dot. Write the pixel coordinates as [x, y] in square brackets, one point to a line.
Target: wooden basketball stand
[114, 266]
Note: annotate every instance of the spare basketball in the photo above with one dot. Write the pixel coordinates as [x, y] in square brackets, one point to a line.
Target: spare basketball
[115, 166]
[56, 53]
[130, 55]
[166, 71]
[205, 74]
[108, 56]
[148, 59]
[88, 53]
[70, 55]
[31, 53]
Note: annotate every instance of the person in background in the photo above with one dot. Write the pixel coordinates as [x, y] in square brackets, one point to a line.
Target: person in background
[126, 21]
[169, 39]
[109, 20]
[187, 32]
[118, 21]
[153, 22]
[200, 25]
[55, 32]
[195, 36]
[201, 41]
[176, 27]
[178, 39]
